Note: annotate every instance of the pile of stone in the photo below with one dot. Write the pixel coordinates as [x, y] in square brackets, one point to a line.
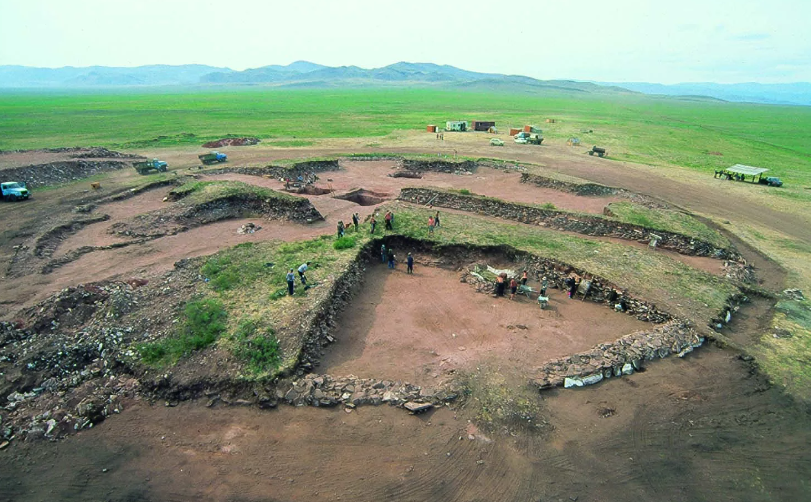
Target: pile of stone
[231, 142]
[54, 173]
[465, 167]
[351, 391]
[68, 362]
[97, 152]
[248, 228]
[622, 357]
[562, 220]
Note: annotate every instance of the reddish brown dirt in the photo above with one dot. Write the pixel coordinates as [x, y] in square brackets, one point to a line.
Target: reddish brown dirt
[423, 327]
[694, 429]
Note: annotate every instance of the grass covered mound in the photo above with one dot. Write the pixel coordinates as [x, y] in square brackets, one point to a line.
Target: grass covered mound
[200, 203]
[666, 220]
[264, 323]
[677, 222]
[201, 192]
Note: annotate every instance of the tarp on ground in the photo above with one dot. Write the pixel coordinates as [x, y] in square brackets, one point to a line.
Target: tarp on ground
[745, 170]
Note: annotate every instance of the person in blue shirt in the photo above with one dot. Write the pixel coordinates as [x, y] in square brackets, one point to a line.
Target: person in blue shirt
[410, 263]
[291, 281]
[301, 270]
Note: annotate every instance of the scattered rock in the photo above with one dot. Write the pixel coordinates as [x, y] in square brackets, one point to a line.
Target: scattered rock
[418, 407]
[794, 294]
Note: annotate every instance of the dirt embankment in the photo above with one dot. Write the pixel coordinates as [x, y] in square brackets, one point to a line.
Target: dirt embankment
[561, 220]
[298, 169]
[181, 217]
[231, 142]
[440, 166]
[585, 189]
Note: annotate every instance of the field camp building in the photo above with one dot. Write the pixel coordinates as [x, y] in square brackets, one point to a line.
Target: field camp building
[456, 125]
[478, 125]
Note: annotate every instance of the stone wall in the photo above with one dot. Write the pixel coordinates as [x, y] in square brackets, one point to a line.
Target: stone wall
[621, 357]
[561, 220]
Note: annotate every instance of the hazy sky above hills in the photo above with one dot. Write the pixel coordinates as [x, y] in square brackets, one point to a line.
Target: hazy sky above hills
[722, 41]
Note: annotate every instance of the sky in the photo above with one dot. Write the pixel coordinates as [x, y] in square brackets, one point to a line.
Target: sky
[664, 41]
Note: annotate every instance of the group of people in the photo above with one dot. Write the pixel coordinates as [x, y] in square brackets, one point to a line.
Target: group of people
[387, 256]
[501, 284]
[342, 228]
[291, 278]
[433, 222]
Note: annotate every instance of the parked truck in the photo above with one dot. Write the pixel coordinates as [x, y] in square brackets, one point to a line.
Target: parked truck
[213, 158]
[14, 190]
[524, 137]
[147, 166]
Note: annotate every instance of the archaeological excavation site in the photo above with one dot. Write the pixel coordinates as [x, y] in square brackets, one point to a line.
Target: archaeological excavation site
[474, 326]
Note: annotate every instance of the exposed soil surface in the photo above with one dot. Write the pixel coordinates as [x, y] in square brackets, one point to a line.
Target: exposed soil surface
[705, 427]
[701, 428]
[425, 327]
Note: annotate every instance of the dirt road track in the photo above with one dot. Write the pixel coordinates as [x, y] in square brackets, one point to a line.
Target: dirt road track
[698, 197]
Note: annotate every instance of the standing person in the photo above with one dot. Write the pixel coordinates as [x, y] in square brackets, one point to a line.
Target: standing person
[391, 258]
[573, 288]
[355, 220]
[410, 262]
[544, 285]
[340, 229]
[373, 222]
[500, 285]
[388, 220]
[383, 254]
[291, 281]
[524, 278]
[302, 270]
[431, 225]
[513, 288]
[569, 282]
[436, 220]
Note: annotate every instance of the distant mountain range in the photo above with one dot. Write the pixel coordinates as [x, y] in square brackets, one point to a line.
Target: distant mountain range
[774, 94]
[303, 74]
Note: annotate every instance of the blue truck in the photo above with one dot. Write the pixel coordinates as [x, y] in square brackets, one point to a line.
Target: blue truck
[213, 158]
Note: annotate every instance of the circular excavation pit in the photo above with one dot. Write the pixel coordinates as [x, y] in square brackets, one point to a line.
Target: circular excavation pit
[364, 197]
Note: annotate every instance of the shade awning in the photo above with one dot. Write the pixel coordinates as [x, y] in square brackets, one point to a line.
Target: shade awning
[745, 170]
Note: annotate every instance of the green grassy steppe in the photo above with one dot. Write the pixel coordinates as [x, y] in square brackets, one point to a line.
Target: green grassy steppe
[637, 128]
